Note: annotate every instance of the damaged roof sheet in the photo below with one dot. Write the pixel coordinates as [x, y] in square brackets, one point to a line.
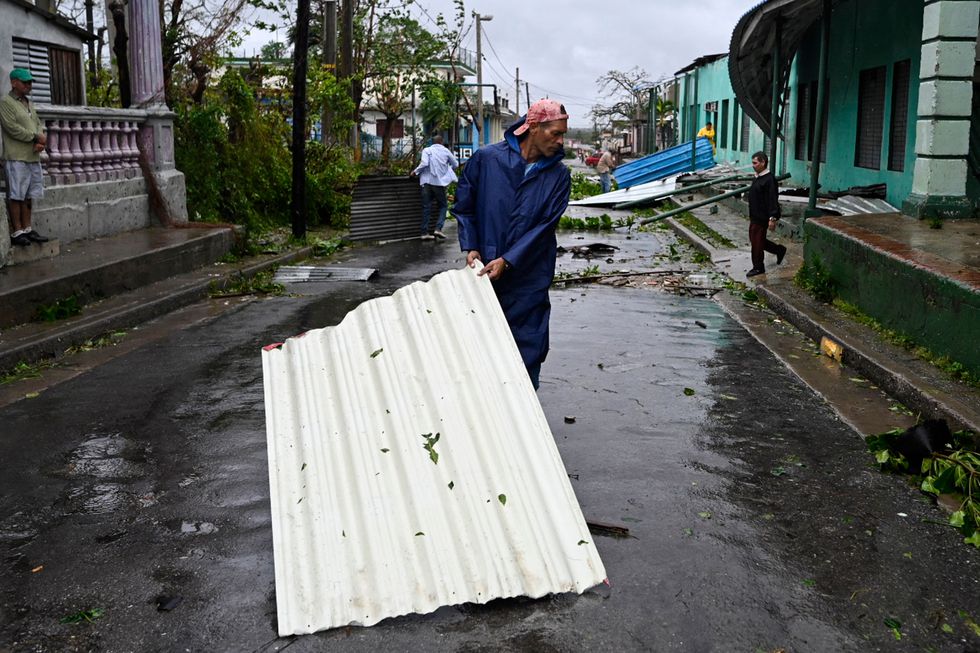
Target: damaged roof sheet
[411, 465]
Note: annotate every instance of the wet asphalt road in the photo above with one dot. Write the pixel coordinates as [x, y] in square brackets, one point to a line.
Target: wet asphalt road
[757, 520]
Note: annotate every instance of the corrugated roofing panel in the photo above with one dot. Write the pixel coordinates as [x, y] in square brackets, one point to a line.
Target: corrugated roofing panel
[411, 465]
[386, 208]
[663, 164]
[635, 193]
[854, 205]
[300, 273]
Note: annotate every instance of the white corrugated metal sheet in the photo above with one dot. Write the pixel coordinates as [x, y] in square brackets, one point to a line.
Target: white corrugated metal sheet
[411, 465]
[648, 190]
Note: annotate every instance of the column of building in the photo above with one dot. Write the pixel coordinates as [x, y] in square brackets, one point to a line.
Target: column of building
[949, 36]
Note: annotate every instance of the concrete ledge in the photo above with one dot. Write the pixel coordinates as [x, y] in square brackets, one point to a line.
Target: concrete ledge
[32, 342]
[933, 301]
[916, 383]
[35, 252]
[92, 270]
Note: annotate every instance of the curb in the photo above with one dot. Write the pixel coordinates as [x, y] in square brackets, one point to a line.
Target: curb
[885, 369]
[136, 311]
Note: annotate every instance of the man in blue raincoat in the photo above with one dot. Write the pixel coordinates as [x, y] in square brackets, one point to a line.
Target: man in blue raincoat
[508, 202]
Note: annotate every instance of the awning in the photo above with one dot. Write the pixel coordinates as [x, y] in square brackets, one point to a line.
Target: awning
[750, 52]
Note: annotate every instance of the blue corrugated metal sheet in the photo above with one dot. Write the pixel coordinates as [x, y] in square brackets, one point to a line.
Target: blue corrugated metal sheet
[663, 164]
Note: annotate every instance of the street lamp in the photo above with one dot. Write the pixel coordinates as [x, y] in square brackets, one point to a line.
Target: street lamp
[479, 76]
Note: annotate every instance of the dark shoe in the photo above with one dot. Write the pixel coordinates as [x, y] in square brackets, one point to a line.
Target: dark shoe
[781, 255]
[21, 239]
[754, 272]
[36, 237]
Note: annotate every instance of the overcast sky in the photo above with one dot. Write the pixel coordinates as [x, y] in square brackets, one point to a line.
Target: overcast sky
[562, 47]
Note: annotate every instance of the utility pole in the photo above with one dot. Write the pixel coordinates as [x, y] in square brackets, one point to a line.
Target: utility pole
[527, 94]
[347, 64]
[479, 76]
[300, 54]
[517, 94]
[329, 60]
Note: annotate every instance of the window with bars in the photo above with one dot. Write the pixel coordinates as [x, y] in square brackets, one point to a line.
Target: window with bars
[898, 129]
[735, 126]
[723, 127]
[743, 141]
[870, 118]
[397, 128]
[803, 128]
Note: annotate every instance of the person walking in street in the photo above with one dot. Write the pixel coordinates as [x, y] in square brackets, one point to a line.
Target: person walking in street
[23, 142]
[708, 131]
[763, 214]
[508, 202]
[605, 166]
[435, 171]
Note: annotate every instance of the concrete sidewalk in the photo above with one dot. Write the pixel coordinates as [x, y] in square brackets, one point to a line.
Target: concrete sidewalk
[919, 385]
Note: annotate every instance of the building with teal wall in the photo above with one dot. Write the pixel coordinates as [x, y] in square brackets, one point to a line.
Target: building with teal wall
[873, 92]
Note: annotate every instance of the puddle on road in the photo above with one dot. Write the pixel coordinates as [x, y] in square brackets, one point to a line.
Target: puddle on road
[107, 457]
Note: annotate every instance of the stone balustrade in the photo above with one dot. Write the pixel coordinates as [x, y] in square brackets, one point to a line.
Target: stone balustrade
[90, 144]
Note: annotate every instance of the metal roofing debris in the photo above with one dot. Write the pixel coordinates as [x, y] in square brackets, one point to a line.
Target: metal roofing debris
[300, 273]
[411, 465]
[750, 51]
[386, 208]
[660, 165]
[853, 205]
[649, 190]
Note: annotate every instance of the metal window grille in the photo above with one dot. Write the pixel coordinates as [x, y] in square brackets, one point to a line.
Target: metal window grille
[34, 57]
[735, 126]
[813, 119]
[898, 130]
[397, 128]
[803, 124]
[723, 127]
[743, 140]
[870, 118]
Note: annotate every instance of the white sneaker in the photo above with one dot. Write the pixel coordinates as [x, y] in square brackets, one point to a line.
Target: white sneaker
[427, 237]
[438, 234]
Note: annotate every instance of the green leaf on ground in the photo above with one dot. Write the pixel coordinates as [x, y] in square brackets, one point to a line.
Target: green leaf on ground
[809, 582]
[688, 391]
[502, 498]
[374, 354]
[83, 615]
[705, 514]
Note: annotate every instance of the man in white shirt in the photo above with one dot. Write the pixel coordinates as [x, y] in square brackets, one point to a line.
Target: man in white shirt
[435, 171]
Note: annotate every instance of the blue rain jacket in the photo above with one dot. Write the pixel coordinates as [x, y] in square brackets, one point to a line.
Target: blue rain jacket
[501, 212]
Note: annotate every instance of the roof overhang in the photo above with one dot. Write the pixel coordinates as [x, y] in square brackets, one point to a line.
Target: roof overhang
[750, 64]
[700, 61]
[55, 18]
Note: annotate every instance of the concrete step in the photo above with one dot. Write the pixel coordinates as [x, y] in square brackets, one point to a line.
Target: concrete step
[34, 341]
[34, 252]
[91, 270]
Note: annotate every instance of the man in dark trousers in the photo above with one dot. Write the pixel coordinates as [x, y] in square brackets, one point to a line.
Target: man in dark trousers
[508, 202]
[763, 214]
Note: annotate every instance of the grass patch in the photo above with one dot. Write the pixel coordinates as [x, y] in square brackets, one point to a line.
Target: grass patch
[694, 224]
[260, 283]
[815, 279]
[61, 309]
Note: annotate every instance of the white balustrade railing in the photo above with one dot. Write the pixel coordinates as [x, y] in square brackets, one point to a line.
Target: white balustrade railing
[87, 144]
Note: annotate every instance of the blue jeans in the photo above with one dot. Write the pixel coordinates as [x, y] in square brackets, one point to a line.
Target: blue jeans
[429, 193]
[534, 371]
[604, 180]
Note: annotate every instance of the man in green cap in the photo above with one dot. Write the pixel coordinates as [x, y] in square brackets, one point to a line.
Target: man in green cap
[23, 142]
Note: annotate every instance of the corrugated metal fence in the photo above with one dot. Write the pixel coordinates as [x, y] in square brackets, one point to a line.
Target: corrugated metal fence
[386, 208]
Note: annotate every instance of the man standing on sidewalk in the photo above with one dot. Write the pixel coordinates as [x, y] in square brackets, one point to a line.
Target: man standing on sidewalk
[435, 172]
[605, 166]
[508, 203]
[23, 142]
[763, 214]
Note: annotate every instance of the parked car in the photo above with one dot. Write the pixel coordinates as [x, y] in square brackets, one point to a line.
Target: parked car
[593, 159]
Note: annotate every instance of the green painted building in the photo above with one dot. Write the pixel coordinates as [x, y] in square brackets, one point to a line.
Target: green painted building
[901, 107]
[874, 117]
